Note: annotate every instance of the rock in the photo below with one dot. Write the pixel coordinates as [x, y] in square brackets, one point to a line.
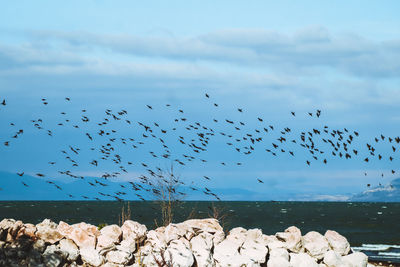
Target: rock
[110, 234]
[39, 245]
[53, 257]
[227, 252]
[156, 239]
[279, 253]
[292, 238]
[333, 259]
[34, 258]
[278, 262]
[302, 260]
[13, 230]
[133, 231]
[91, 256]
[254, 251]
[201, 248]
[272, 242]
[356, 259]
[337, 242]
[27, 230]
[147, 255]
[128, 246]
[109, 264]
[315, 244]
[179, 253]
[174, 232]
[69, 247]
[254, 234]
[84, 235]
[5, 224]
[119, 257]
[209, 225]
[47, 231]
[237, 235]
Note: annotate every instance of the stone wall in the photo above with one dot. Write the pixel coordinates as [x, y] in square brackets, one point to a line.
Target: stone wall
[198, 242]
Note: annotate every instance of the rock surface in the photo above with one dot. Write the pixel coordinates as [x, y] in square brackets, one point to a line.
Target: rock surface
[47, 231]
[337, 242]
[199, 242]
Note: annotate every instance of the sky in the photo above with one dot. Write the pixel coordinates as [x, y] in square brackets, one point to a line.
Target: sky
[268, 58]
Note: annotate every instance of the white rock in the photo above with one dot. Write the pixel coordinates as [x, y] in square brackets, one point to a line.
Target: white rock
[128, 246]
[209, 225]
[119, 257]
[109, 235]
[110, 264]
[333, 259]
[91, 256]
[254, 250]
[47, 231]
[132, 230]
[174, 232]
[201, 246]
[5, 224]
[302, 260]
[156, 239]
[68, 246]
[179, 254]
[292, 238]
[226, 251]
[337, 242]
[273, 242]
[278, 262]
[279, 253]
[315, 244]
[84, 235]
[254, 234]
[356, 259]
[147, 255]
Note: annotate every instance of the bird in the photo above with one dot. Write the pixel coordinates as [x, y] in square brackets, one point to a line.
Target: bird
[3, 102]
[260, 181]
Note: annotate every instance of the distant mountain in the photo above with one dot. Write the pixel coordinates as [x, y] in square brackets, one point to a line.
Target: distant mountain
[388, 193]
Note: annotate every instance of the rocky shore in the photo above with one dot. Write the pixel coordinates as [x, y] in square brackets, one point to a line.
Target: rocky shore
[198, 242]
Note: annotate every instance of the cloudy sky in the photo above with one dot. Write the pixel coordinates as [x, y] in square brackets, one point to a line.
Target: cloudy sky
[268, 58]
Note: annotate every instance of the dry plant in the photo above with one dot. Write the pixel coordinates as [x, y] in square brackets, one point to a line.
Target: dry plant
[220, 214]
[125, 214]
[164, 187]
[193, 214]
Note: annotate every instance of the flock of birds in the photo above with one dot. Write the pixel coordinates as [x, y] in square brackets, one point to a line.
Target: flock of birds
[320, 144]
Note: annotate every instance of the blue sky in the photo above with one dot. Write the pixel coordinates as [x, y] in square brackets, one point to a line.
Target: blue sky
[269, 58]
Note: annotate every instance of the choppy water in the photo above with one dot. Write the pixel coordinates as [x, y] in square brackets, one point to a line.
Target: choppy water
[364, 224]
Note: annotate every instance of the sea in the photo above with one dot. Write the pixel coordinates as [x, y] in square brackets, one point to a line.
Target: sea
[373, 228]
